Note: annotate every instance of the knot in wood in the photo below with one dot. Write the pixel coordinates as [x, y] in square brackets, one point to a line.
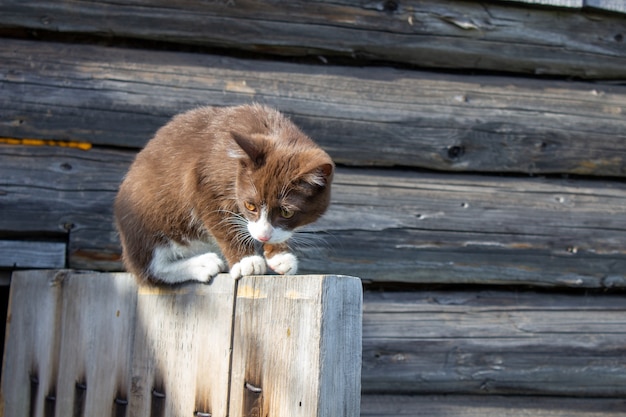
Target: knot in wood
[390, 6]
[456, 151]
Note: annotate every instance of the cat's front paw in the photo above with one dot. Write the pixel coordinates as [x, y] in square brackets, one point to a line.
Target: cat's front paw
[250, 265]
[203, 268]
[284, 263]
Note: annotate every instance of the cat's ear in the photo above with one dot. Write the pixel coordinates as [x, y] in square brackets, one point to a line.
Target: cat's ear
[320, 172]
[253, 149]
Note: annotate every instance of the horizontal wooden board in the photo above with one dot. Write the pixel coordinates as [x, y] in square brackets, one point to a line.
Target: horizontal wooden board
[482, 342]
[501, 36]
[383, 225]
[488, 406]
[556, 3]
[612, 5]
[32, 254]
[368, 116]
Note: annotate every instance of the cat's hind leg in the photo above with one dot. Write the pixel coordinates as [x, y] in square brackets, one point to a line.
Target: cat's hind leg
[174, 263]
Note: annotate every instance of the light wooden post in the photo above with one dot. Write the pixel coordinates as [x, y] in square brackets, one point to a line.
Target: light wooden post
[297, 347]
[96, 344]
[181, 357]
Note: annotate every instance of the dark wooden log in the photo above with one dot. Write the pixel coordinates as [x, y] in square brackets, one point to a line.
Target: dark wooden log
[384, 226]
[613, 5]
[521, 343]
[370, 116]
[501, 36]
[32, 254]
[64, 192]
[488, 406]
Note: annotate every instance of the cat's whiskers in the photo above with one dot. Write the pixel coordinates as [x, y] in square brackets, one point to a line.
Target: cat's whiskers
[239, 228]
[308, 240]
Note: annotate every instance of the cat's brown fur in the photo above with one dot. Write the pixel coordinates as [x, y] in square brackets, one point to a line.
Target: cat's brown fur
[187, 190]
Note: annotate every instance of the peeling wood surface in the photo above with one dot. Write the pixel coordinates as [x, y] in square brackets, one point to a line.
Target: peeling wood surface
[497, 36]
[363, 116]
[383, 225]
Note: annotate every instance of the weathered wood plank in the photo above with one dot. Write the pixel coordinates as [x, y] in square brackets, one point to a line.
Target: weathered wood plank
[296, 344]
[32, 254]
[370, 116]
[440, 34]
[469, 342]
[383, 225]
[29, 378]
[416, 227]
[72, 339]
[612, 5]
[558, 3]
[97, 331]
[494, 343]
[62, 191]
[488, 406]
[181, 356]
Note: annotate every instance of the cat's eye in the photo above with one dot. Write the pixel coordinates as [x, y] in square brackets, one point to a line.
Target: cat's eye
[249, 206]
[286, 213]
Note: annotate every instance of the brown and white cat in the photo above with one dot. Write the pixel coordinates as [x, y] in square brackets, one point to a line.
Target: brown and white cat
[220, 181]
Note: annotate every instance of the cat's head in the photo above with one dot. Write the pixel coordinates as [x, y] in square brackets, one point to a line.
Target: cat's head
[281, 185]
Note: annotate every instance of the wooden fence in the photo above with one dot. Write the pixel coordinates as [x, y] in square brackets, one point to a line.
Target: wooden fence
[97, 345]
[480, 193]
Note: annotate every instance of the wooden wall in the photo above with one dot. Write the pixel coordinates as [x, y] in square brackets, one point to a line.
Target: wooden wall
[480, 193]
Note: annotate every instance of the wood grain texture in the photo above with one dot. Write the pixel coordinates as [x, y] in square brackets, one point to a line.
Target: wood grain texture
[464, 344]
[32, 347]
[97, 344]
[501, 36]
[383, 225]
[488, 406]
[417, 227]
[479, 342]
[372, 116]
[181, 354]
[32, 254]
[612, 5]
[296, 345]
[555, 3]
[97, 331]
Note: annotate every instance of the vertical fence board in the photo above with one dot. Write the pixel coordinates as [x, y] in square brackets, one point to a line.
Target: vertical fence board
[31, 350]
[287, 356]
[182, 349]
[97, 329]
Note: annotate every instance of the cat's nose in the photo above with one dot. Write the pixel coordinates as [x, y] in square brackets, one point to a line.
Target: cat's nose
[263, 238]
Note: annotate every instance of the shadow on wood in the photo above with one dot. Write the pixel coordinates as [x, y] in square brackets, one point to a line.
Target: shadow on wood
[96, 344]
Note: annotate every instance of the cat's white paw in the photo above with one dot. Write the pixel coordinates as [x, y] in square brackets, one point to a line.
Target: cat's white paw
[284, 263]
[250, 265]
[204, 267]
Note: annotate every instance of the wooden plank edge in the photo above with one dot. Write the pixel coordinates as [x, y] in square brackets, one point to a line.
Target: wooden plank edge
[32, 254]
[489, 406]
